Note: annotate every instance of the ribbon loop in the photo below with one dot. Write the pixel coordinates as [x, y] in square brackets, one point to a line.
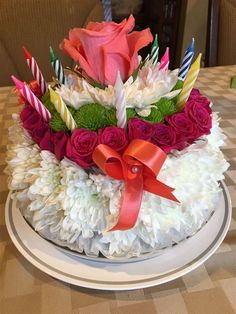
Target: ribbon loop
[147, 153]
[138, 167]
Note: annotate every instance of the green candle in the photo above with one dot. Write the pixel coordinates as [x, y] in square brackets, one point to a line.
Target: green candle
[56, 64]
[155, 50]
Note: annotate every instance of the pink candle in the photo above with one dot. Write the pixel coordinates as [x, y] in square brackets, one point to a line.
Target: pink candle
[165, 60]
[35, 71]
[32, 99]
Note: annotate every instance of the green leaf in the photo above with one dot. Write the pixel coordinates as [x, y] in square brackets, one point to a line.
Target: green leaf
[178, 85]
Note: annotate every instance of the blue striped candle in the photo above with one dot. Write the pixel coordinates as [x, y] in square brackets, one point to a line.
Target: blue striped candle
[107, 13]
[188, 56]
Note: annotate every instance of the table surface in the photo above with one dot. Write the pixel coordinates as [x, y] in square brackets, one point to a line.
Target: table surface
[211, 288]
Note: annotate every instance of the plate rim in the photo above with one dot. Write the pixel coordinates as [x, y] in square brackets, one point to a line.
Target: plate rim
[108, 285]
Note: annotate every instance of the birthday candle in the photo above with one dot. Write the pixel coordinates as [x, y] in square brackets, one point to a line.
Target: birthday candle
[32, 99]
[189, 82]
[120, 102]
[35, 71]
[165, 60]
[188, 56]
[62, 109]
[56, 64]
[107, 12]
[155, 50]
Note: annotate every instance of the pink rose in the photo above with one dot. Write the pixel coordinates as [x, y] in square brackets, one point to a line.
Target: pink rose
[199, 111]
[80, 147]
[164, 137]
[60, 140]
[138, 128]
[113, 137]
[103, 49]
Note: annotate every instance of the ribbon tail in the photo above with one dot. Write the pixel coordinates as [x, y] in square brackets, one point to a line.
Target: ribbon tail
[156, 187]
[131, 203]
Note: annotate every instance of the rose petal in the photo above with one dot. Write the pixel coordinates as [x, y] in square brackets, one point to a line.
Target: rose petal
[136, 41]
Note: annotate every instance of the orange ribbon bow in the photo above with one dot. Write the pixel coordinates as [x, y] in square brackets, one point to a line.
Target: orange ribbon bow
[138, 167]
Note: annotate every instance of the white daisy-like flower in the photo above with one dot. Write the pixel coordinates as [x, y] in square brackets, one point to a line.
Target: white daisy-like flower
[150, 85]
[22, 156]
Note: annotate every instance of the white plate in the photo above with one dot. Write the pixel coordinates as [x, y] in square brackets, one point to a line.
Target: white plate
[170, 264]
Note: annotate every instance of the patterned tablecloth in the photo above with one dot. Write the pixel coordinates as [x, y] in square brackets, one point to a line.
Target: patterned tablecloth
[211, 288]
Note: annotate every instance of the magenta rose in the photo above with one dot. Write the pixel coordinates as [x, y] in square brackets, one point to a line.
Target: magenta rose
[27, 112]
[46, 143]
[195, 93]
[199, 112]
[164, 137]
[113, 137]
[33, 123]
[141, 129]
[37, 133]
[103, 49]
[38, 129]
[60, 141]
[80, 147]
[184, 127]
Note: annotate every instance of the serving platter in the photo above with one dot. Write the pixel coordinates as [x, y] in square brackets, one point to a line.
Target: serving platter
[167, 265]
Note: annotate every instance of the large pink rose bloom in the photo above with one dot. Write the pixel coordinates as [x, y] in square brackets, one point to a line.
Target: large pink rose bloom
[104, 48]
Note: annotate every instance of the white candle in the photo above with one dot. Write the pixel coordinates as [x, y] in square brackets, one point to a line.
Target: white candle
[120, 102]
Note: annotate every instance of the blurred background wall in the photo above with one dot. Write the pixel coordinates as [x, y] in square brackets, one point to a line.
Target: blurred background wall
[196, 25]
[40, 23]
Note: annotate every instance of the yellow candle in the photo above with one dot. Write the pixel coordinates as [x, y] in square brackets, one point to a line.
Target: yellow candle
[62, 109]
[189, 83]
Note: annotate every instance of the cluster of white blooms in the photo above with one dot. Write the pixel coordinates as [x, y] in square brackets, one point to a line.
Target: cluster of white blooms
[73, 208]
[150, 85]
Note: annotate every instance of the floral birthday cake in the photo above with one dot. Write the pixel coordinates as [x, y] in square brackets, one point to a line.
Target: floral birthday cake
[119, 156]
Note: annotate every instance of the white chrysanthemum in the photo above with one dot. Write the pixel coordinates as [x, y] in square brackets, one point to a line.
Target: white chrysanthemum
[72, 208]
[17, 134]
[216, 138]
[22, 155]
[44, 208]
[74, 92]
[150, 85]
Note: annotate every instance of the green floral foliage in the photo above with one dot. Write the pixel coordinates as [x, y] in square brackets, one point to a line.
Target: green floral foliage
[94, 116]
[178, 85]
[131, 113]
[91, 116]
[111, 116]
[166, 106]
[155, 116]
[57, 124]
[47, 103]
